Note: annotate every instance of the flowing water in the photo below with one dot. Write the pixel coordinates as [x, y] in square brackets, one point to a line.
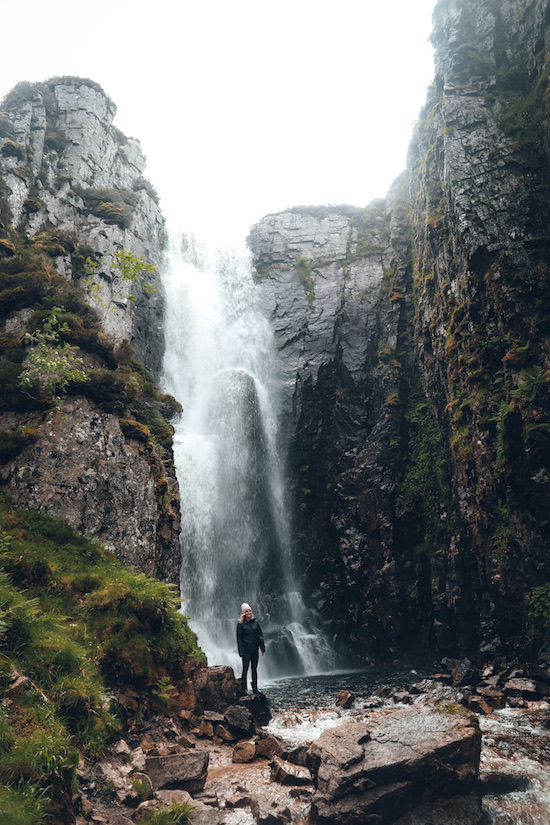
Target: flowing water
[515, 754]
[235, 535]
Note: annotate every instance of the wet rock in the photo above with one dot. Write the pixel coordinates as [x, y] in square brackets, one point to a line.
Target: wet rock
[392, 762]
[345, 699]
[268, 810]
[289, 774]
[528, 689]
[239, 721]
[184, 771]
[222, 733]
[258, 705]
[296, 754]
[502, 783]
[244, 751]
[201, 814]
[214, 717]
[268, 747]
[206, 729]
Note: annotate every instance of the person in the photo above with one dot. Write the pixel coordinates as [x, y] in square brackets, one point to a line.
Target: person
[250, 640]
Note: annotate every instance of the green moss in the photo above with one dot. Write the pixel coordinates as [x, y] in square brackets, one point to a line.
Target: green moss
[12, 442]
[303, 267]
[425, 494]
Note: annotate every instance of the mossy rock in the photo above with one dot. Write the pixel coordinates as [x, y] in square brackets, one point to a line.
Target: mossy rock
[7, 248]
[31, 205]
[133, 429]
[12, 149]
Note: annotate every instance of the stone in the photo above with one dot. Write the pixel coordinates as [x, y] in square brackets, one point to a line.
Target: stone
[258, 705]
[392, 762]
[528, 689]
[222, 733]
[288, 774]
[215, 688]
[268, 747]
[206, 729]
[345, 699]
[244, 751]
[239, 721]
[184, 771]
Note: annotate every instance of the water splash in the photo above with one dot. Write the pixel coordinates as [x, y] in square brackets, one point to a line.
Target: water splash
[235, 533]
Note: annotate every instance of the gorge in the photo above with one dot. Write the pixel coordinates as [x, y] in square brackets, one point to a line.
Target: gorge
[364, 445]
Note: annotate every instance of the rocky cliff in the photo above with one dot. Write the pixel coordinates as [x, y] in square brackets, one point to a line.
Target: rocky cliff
[84, 432]
[413, 341]
[73, 184]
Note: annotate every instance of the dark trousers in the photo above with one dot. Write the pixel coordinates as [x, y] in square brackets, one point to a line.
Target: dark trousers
[250, 658]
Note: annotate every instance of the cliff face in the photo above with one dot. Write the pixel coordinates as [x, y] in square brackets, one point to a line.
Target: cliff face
[87, 437]
[74, 184]
[413, 341]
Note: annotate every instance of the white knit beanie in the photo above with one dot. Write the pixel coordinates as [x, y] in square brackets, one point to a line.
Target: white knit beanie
[245, 607]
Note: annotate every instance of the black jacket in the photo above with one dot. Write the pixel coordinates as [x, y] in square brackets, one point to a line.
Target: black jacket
[249, 637]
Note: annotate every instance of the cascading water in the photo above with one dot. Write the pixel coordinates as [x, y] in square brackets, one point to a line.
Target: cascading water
[235, 536]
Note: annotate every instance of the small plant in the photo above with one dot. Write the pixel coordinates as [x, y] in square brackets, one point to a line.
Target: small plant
[142, 786]
[177, 814]
[50, 365]
[126, 267]
[161, 692]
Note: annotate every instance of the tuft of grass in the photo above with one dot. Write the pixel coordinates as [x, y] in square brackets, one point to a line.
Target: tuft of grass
[177, 814]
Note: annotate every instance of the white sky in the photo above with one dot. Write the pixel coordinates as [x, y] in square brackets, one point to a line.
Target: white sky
[242, 107]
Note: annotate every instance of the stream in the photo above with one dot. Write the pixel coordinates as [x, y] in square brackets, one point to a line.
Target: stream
[515, 754]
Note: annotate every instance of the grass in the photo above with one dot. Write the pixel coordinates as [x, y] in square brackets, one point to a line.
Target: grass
[78, 626]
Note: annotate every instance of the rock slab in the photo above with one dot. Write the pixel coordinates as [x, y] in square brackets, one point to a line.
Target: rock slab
[395, 763]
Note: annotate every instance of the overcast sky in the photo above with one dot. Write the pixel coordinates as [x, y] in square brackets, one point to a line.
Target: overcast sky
[245, 107]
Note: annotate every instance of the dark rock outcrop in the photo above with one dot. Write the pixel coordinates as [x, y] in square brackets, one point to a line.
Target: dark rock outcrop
[413, 348]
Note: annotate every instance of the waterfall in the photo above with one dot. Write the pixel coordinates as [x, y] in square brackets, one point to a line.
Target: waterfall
[219, 364]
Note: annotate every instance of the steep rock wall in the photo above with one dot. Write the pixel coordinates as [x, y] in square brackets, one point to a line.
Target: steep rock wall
[336, 283]
[480, 182]
[74, 184]
[414, 360]
[95, 450]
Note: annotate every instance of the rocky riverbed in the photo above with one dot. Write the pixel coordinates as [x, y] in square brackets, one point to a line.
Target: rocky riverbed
[402, 756]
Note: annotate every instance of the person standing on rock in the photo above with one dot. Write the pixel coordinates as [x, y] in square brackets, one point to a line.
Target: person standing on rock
[250, 640]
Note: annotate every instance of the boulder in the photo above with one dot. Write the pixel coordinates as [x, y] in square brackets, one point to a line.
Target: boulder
[345, 699]
[289, 774]
[524, 688]
[244, 751]
[200, 815]
[182, 771]
[215, 688]
[268, 747]
[239, 721]
[389, 764]
[258, 706]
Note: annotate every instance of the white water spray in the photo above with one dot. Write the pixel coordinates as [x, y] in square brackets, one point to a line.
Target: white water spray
[235, 536]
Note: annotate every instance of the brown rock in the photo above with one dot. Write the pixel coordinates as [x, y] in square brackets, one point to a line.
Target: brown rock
[223, 734]
[244, 751]
[288, 774]
[345, 699]
[268, 747]
[206, 729]
[183, 771]
[528, 689]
